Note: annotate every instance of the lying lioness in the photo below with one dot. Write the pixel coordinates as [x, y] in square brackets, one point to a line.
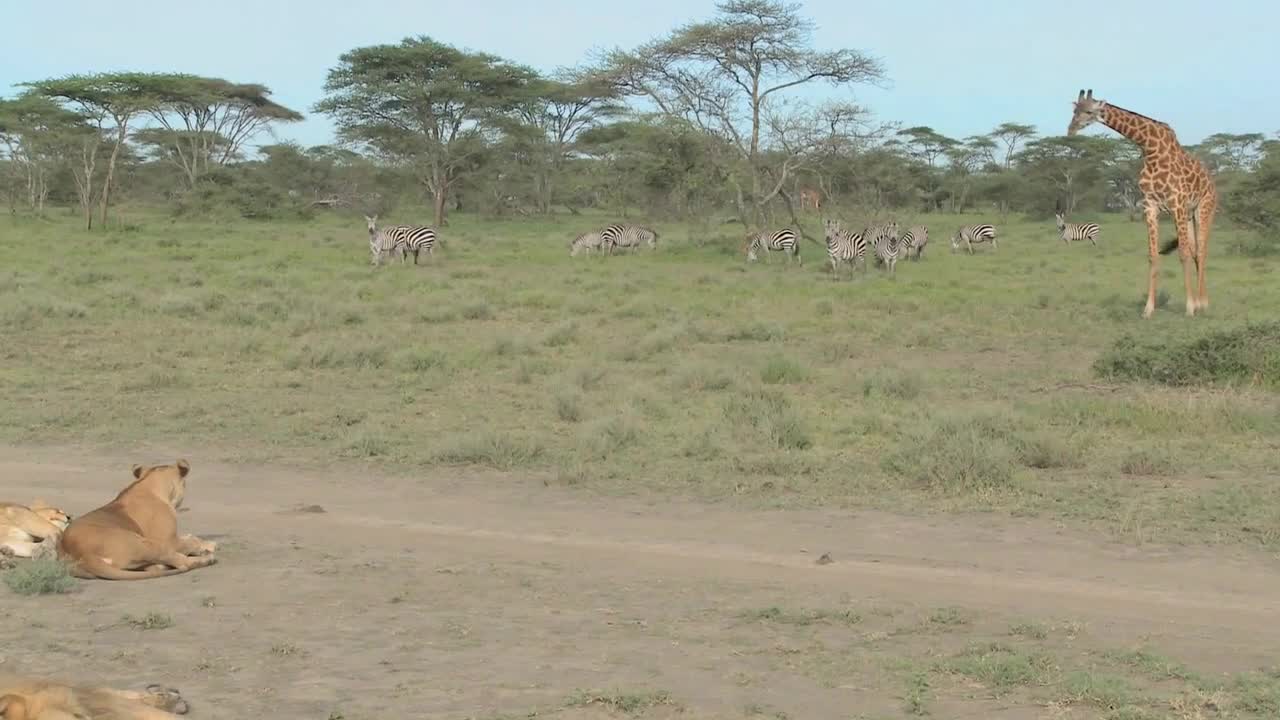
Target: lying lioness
[24, 698]
[135, 536]
[24, 527]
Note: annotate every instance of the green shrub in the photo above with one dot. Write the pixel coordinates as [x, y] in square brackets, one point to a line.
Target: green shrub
[1245, 355]
[46, 576]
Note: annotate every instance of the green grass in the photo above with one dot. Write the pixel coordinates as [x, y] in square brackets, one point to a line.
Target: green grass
[1000, 382]
[45, 576]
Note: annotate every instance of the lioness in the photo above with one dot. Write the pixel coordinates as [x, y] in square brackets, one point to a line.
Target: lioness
[23, 527]
[25, 698]
[135, 536]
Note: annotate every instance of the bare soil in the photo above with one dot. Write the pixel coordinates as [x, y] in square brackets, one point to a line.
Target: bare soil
[342, 593]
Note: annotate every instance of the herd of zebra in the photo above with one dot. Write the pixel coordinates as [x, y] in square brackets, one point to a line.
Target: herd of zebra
[611, 237]
[886, 245]
[843, 246]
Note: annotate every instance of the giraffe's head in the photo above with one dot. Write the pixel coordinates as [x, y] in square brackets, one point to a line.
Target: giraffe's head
[1088, 111]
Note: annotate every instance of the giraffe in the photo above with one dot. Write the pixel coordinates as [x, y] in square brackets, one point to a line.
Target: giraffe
[1170, 180]
[809, 196]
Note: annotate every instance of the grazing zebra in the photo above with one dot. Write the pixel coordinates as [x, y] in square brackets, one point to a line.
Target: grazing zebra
[886, 247]
[970, 234]
[589, 241]
[382, 242]
[784, 240]
[914, 240]
[415, 238]
[627, 236]
[844, 246]
[1077, 231]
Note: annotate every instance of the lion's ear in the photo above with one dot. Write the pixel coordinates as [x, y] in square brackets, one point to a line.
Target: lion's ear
[184, 467]
[137, 471]
[13, 707]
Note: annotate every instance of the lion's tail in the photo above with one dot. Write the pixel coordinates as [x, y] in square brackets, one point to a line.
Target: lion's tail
[91, 568]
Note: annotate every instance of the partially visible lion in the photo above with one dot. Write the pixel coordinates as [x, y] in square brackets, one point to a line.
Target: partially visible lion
[23, 528]
[27, 698]
[135, 536]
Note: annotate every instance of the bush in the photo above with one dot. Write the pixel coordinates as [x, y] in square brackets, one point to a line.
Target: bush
[46, 576]
[957, 455]
[769, 414]
[1248, 355]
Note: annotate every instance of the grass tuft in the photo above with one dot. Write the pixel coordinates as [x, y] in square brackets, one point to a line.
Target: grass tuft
[43, 576]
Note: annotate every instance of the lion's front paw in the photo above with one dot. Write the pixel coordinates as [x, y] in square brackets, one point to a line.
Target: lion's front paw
[167, 699]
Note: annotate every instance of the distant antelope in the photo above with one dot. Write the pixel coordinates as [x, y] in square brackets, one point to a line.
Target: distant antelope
[810, 198]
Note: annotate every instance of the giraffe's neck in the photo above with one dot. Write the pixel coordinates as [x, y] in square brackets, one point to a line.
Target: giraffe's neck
[1151, 135]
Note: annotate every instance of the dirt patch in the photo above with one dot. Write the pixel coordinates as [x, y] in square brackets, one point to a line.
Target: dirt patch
[440, 598]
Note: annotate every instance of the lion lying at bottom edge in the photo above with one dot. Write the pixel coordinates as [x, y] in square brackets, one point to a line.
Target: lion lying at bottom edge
[26, 698]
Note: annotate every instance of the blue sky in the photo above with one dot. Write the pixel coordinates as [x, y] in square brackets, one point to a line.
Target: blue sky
[960, 67]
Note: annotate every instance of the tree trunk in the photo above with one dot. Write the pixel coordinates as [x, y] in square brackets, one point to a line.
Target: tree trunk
[440, 193]
[111, 169]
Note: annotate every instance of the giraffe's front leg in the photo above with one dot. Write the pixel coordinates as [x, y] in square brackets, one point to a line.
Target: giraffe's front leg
[1153, 253]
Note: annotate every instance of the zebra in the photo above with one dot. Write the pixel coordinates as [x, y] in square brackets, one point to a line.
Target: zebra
[1076, 231]
[970, 234]
[589, 241]
[382, 242]
[784, 240]
[844, 246]
[627, 236]
[885, 242]
[914, 240]
[415, 238]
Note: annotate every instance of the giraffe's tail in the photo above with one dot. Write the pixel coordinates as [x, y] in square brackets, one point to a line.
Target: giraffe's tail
[1169, 246]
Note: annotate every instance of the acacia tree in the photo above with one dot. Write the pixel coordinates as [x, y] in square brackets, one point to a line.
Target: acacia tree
[110, 101]
[1011, 135]
[38, 135]
[1071, 166]
[728, 76]
[422, 103]
[205, 122]
[557, 111]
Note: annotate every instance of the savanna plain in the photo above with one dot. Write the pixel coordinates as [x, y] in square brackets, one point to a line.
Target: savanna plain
[508, 483]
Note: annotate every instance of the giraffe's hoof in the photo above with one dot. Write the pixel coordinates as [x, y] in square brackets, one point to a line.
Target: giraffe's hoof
[1148, 311]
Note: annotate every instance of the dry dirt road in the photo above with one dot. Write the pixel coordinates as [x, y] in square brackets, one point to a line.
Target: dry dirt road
[345, 594]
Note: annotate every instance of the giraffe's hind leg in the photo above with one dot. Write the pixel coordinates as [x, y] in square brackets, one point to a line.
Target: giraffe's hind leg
[1187, 254]
[1204, 224]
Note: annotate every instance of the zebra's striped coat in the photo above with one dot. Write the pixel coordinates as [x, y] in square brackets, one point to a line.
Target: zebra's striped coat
[844, 246]
[382, 243]
[1076, 231]
[627, 236]
[589, 241]
[913, 241]
[785, 240]
[416, 238]
[973, 234]
[885, 244]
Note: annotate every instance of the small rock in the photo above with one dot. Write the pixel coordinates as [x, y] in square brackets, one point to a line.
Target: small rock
[824, 560]
[304, 510]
